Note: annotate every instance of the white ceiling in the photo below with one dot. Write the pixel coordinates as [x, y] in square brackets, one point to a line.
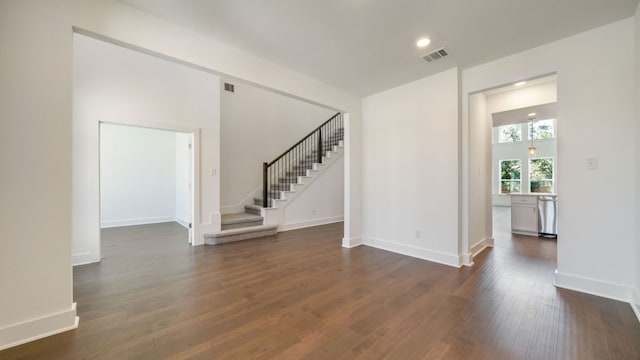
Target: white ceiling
[366, 46]
[528, 83]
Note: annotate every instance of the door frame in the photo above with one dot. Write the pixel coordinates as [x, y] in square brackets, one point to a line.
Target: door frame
[194, 230]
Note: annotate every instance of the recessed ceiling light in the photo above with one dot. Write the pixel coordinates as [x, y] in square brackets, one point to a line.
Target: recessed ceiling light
[520, 83]
[532, 114]
[423, 42]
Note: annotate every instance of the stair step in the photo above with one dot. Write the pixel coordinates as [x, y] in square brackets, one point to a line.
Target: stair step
[281, 187]
[253, 209]
[292, 179]
[242, 225]
[239, 220]
[258, 201]
[240, 234]
[302, 167]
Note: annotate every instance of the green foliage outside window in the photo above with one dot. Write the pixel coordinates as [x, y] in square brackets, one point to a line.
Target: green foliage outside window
[510, 175]
[542, 129]
[509, 133]
[541, 175]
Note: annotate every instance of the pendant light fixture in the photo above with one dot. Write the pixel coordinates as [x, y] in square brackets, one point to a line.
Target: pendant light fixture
[532, 149]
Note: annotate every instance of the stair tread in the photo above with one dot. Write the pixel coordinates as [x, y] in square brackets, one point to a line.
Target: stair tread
[244, 230]
[239, 218]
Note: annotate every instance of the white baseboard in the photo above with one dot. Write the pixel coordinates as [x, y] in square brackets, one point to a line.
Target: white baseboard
[83, 259]
[184, 223]
[409, 250]
[594, 287]
[351, 242]
[635, 302]
[309, 223]
[39, 328]
[213, 226]
[467, 259]
[138, 221]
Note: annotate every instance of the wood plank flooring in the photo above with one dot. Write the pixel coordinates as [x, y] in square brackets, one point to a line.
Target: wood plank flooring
[299, 295]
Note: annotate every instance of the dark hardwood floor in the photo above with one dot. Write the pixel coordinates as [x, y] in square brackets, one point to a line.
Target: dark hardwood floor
[299, 295]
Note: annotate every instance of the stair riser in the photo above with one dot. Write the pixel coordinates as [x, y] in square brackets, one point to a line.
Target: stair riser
[289, 179]
[281, 187]
[214, 239]
[252, 211]
[241, 225]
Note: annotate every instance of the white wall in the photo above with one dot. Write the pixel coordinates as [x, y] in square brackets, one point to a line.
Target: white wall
[544, 93]
[321, 202]
[410, 168]
[36, 68]
[596, 95]
[256, 126]
[137, 175]
[112, 83]
[480, 214]
[637, 152]
[183, 171]
[35, 155]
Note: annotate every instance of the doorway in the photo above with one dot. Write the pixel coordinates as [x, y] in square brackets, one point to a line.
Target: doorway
[146, 177]
[513, 137]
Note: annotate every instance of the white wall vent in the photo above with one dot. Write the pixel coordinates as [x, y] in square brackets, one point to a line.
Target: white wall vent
[229, 87]
[435, 55]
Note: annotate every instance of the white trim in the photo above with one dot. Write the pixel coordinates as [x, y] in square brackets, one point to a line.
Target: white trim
[83, 258]
[351, 231]
[183, 222]
[198, 239]
[409, 250]
[213, 226]
[594, 287]
[467, 259]
[350, 243]
[138, 221]
[38, 328]
[464, 132]
[635, 302]
[239, 207]
[309, 223]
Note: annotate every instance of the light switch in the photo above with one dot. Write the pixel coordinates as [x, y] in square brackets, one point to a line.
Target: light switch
[592, 164]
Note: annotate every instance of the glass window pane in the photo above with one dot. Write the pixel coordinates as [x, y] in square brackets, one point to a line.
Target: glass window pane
[541, 175]
[541, 169]
[542, 186]
[510, 172]
[510, 169]
[542, 129]
[510, 186]
[509, 133]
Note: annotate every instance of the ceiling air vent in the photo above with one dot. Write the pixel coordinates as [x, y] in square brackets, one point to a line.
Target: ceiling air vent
[435, 55]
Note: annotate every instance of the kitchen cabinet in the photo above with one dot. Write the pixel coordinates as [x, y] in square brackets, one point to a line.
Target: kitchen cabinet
[524, 214]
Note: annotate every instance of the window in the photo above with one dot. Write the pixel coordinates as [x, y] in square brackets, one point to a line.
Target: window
[509, 133]
[510, 176]
[541, 175]
[542, 129]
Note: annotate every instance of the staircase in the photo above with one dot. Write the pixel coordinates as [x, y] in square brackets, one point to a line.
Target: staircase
[287, 174]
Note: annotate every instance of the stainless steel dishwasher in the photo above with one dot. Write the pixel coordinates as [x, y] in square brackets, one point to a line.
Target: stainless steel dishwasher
[547, 216]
